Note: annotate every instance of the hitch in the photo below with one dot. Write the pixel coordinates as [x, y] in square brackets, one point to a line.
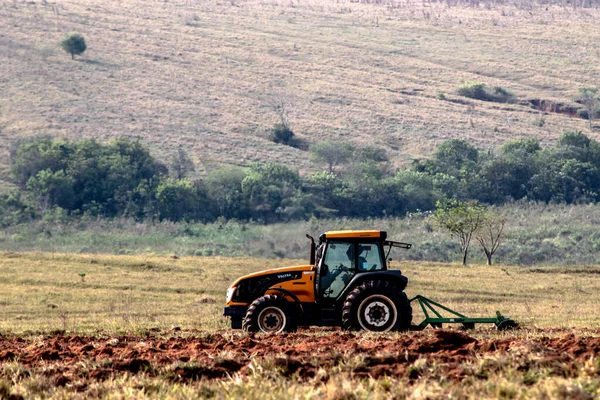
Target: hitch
[501, 322]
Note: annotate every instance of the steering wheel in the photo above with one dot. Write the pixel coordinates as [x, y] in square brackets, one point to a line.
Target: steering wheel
[339, 269]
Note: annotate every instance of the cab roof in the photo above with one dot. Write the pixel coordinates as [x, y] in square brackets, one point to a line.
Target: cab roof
[354, 234]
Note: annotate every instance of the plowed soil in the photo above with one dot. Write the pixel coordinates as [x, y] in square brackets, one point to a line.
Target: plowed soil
[67, 358]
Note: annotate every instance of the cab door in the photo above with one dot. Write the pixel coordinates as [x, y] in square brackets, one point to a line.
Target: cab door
[337, 268]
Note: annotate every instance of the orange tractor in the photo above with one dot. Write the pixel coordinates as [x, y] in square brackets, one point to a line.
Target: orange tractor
[346, 283]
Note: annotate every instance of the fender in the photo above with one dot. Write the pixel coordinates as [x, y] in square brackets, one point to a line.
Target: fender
[392, 276]
[288, 293]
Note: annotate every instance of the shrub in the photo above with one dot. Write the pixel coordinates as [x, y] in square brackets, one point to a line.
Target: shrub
[480, 91]
[585, 114]
[366, 153]
[14, 209]
[281, 134]
[74, 44]
[473, 90]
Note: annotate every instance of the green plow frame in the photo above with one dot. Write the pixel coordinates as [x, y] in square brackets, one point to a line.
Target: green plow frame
[427, 305]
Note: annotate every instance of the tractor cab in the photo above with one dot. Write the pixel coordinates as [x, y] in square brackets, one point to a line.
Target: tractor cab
[342, 255]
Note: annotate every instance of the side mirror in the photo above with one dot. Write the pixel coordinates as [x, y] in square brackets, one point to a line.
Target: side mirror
[324, 269]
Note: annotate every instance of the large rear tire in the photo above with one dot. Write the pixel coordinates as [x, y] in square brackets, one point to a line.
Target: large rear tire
[268, 314]
[377, 306]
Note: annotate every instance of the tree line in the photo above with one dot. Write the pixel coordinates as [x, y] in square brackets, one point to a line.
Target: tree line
[57, 178]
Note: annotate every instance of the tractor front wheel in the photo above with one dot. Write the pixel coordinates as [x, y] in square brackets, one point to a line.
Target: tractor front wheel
[377, 306]
[268, 314]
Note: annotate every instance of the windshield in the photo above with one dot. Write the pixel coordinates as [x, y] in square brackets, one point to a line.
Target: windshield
[369, 257]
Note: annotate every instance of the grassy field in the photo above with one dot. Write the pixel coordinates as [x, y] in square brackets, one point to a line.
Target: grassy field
[208, 75]
[45, 292]
[535, 234]
[130, 327]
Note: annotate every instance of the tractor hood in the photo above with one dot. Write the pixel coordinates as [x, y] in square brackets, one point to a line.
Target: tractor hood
[249, 287]
[274, 271]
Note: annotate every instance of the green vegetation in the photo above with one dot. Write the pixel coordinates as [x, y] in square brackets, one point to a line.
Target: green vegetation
[591, 101]
[331, 153]
[462, 220]
[480, 91]
[121, 178]
[69, 186]
[535, 234]
[181, 165]
[74, 44]
[467, 220]
[282, 134]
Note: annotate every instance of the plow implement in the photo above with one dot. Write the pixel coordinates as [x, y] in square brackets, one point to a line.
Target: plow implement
[434, 316]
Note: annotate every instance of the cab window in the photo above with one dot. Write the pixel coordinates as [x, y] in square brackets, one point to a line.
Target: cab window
[338, 268]
[369, 257]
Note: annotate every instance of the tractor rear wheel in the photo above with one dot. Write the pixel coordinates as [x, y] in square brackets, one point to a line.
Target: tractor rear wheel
[377, 306]
[268, 314]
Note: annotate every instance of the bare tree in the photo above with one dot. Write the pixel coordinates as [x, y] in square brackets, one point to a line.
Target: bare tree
[489, 234]
[282, 131]
[279, 104]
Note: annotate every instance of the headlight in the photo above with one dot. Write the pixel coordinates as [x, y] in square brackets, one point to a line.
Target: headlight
[230, 293]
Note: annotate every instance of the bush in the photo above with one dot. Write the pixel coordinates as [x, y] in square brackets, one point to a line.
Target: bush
[370, 153]
[281, 134]
[473, 90]
[74, 44]
[585, 114]
[480, 91]
[14, 209]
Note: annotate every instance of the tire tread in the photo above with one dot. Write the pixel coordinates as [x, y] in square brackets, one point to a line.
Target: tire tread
[250, 321]
[350, 306]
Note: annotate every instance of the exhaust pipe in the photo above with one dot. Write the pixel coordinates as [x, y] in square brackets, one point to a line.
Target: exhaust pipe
[313, 250]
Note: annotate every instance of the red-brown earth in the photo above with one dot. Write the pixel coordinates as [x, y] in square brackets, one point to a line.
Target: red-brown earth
[181, 357]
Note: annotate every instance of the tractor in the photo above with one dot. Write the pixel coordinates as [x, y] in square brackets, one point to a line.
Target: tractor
[347, 283]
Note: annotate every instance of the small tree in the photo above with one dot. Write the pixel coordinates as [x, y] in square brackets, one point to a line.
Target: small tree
[490, 233]
[461, 219]
[332, 153]
[181, 164]
[590, 100]
[74, 44]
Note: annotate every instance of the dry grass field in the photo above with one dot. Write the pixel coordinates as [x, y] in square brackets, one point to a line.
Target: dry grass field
[130, 327]
[43, 292]
[207, 74]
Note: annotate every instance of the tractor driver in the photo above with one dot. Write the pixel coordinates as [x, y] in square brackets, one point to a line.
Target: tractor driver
[341, 266]
[363, 265]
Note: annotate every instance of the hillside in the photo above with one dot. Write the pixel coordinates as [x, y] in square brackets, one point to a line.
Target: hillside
[208, 74]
